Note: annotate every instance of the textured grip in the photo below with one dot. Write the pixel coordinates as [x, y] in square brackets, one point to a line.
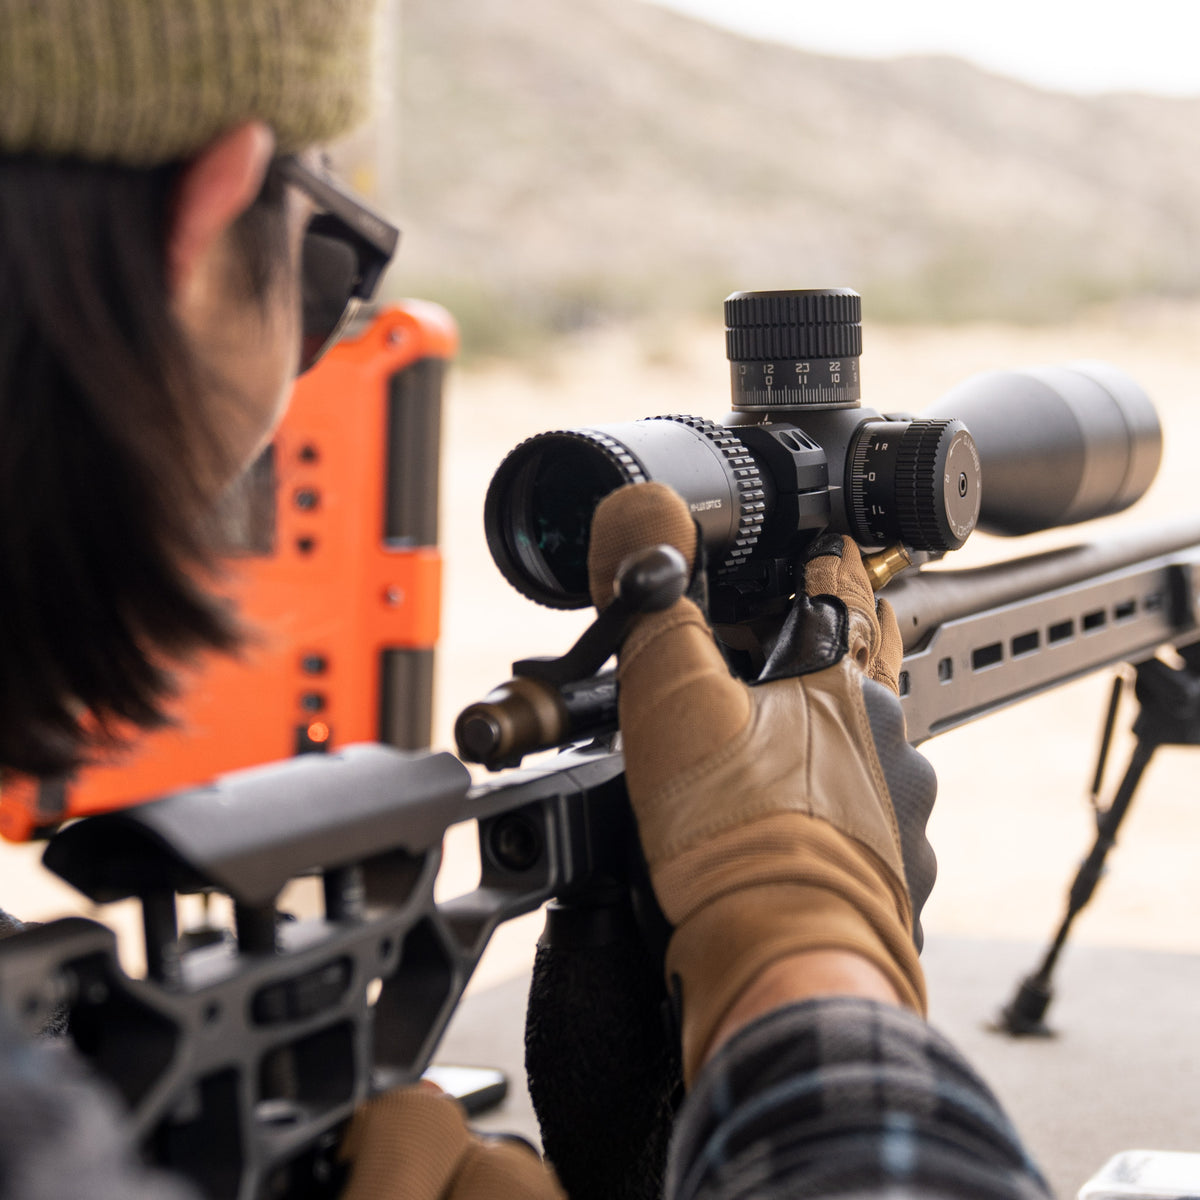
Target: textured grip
[921, 498]
[912, 786]
[750, 503]
[604, 1072]
[776, 326]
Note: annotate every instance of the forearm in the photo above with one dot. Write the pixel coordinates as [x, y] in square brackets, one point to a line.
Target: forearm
[817, 973]
[849, 1097]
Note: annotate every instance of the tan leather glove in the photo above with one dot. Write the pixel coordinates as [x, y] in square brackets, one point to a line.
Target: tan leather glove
[764, 812]
[414, 1144]
[835, 568]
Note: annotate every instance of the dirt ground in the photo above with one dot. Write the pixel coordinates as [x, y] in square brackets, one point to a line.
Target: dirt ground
[1012, 818]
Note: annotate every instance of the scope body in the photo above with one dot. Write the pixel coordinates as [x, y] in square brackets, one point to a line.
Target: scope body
[1062, 443]
[756, 490]
[800, 454]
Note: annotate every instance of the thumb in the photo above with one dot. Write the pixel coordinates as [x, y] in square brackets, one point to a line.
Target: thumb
[678, 700]
[633, 518]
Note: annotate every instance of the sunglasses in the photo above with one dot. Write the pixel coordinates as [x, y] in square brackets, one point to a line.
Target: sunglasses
[346, 248]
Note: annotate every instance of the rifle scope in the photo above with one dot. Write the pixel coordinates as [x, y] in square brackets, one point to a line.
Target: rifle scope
[799, 453]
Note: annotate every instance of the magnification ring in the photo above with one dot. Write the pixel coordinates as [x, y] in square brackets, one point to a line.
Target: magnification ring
[751, 495]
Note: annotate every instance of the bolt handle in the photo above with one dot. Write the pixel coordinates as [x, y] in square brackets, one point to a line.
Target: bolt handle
[651, 580]
[548, 699]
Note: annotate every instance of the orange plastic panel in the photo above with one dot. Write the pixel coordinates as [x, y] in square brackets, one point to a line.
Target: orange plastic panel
[324, 605]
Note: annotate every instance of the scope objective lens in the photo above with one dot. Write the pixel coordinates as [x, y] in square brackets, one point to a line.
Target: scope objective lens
[1059, 444]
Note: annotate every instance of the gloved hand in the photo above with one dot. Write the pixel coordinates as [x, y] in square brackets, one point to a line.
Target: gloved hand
[834, 568]
[414, 1144]
[766, 812]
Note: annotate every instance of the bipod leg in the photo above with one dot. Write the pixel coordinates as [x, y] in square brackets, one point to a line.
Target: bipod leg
[1024, 1015]
[1170, 716]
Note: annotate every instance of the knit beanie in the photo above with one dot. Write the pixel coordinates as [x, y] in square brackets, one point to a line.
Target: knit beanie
[142, 82]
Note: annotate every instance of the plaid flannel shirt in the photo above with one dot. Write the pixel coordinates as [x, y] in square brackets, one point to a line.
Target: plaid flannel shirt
[841, 1097]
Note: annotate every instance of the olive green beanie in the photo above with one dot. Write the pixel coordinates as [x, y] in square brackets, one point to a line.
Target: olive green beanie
[141, 82]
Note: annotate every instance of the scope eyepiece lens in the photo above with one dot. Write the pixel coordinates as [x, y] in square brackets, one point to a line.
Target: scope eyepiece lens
[539, 506]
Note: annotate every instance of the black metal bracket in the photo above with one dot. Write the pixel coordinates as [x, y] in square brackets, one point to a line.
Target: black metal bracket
[241, 1057]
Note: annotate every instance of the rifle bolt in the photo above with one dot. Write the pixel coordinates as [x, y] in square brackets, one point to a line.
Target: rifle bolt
[478, 736]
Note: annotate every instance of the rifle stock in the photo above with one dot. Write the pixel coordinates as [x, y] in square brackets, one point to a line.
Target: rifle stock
[239, 1061]
[979, 639]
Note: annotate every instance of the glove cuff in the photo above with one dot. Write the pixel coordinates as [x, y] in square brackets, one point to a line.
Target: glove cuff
[781, 886]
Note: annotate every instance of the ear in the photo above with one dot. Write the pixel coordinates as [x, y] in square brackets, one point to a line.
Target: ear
[214, 189]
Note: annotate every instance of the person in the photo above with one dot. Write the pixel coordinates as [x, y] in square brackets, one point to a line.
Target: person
[783, 824]
[172, 253]
[158, 180]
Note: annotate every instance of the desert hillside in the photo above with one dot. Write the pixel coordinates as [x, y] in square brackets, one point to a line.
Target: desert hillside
[562, 161]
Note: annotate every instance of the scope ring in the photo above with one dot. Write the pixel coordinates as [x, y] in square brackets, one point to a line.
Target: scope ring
[752, 497]
[611, 448]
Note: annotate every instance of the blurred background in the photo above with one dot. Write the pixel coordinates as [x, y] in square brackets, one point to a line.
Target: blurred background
[582, 182]
[561, 164]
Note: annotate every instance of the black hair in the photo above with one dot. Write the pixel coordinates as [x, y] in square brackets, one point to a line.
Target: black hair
[108, 539]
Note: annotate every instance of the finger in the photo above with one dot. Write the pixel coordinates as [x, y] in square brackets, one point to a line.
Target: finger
[837, 569]
[862, 638]
[630, 519]
[889, 652]
[503, 1170]
[406, 1144]
[677, 699]
[840, 573]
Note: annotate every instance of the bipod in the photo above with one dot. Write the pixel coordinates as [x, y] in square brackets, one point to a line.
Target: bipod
[1169, 700]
